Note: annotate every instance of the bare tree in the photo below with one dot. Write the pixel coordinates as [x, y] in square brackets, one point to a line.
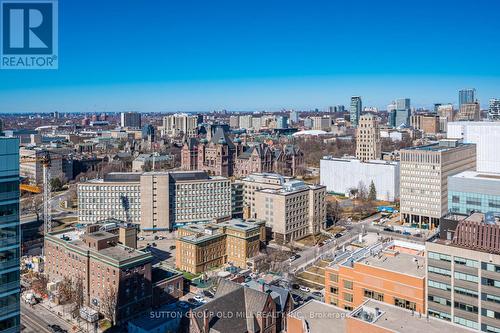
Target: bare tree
[108, 304]
[34, 205]
[362, 191]
[78, 297]
[333, 211]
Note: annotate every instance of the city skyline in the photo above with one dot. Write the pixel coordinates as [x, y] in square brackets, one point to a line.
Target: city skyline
[260, 56]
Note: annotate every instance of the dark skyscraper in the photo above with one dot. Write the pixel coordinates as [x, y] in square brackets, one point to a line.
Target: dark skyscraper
[466, 96]
[355, 112]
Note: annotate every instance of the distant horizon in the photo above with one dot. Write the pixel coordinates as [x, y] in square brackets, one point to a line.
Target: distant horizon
[261, 55]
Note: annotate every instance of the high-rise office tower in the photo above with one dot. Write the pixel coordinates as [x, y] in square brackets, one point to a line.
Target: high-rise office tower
[355, 112]
[494, 109]
[9, 235]
[368, 144]
[466, 96]
[391, 114]
[130, 119]
[424, 179]
[403, 112]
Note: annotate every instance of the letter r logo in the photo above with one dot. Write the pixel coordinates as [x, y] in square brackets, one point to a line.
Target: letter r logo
[27, 28]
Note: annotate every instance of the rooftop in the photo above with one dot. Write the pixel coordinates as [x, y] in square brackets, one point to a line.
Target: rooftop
[401, 263]
[355, 160]
[441, 146]
[321, 317]
[122, 177]
[390, 256]
[495, 177]
[161, 273]
[397, 319]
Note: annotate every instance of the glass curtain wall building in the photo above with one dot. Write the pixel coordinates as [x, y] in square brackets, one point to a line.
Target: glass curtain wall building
[472, 191]
[9, 236]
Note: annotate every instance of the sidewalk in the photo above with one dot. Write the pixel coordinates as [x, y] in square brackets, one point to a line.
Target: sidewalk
[59, 312]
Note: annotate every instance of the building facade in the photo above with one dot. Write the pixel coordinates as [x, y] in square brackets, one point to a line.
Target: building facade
[368, 144]
[180, 124]
[466, 96]
[158, 201]
[463, 274]
[294, 211]
[203, 247]
[10, 249]
[469, 112]
[108, 272]
[340, 175]
[485, 135]
[471, 191]
[391, 272]
[355, 110]
[494, 109]
[130, 119]
[31, 166]
[424, 179]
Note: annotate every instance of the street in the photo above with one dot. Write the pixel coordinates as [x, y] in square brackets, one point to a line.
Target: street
[313, 253]
[37, 318]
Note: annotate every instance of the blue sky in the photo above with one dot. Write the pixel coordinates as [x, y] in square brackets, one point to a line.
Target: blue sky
[156, 55]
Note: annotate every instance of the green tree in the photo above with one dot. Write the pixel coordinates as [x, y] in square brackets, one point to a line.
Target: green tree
[372, 194]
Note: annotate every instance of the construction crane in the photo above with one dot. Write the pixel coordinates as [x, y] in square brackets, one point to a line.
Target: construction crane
[45, 161]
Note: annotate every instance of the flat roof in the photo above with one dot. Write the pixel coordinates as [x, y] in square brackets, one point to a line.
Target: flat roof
[355, 160]
[321, 317]
[121, 253]
[437, 147]
[400, 263]
[478, 175]
[398, 319]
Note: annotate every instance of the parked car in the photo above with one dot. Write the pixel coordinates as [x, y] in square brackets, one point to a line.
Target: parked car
[406, 233]
[388, 229]
[338, 235]
[172, 247]
[199, 299]
[295, 286]
[304, 289]
[317, 294]
[55, 328]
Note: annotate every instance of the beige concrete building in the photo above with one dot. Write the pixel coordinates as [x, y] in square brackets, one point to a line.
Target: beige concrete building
[424, 179]
[429, 124]
[368, 143]
[158, 201]
[469, 112]
[292, 212]
[255, 182]
[202, 247]
[169, 199]
[31, 164]
[180, 124]
[321, 123]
